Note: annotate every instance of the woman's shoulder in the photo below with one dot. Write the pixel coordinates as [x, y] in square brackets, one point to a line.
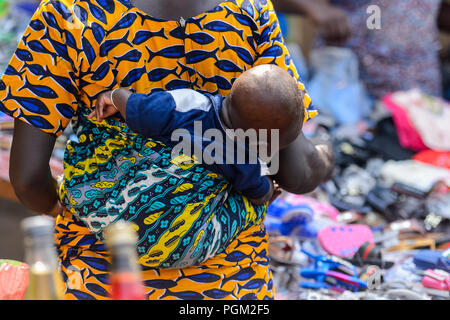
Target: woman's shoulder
[84, 12]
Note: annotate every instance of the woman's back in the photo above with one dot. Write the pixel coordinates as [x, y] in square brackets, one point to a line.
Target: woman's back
[145, 54]
[206, 52]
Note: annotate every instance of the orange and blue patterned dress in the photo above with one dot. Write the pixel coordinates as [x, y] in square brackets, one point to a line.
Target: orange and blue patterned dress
[74, 50]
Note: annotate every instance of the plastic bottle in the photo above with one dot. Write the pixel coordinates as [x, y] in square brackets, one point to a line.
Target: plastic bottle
[126, 280]
[45, 280]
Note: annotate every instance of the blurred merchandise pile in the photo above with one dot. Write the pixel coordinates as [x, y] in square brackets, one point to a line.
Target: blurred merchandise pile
[380, 228]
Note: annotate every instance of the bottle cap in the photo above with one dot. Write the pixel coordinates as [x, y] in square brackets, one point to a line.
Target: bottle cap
[38, 226]
[120, 232]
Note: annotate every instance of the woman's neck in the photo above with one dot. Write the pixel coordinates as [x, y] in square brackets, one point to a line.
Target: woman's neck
[174, 9]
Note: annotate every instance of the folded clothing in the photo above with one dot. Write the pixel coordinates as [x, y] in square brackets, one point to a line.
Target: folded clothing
[386, 142]
[415, 174]
[413, 112]
[408, 136]
[435, 158]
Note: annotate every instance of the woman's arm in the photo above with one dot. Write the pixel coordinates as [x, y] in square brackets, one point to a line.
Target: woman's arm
[444, 17]
[331, 20]
[293, 6]
[303, 166]
[29, 169]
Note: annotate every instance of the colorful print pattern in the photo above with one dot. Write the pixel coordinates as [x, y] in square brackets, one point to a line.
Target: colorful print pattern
[240, 273]
[74, 50]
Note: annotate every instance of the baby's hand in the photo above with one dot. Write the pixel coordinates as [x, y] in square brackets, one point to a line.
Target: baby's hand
[270, 196]
[277, 191]
[104, 107]
[109, 103]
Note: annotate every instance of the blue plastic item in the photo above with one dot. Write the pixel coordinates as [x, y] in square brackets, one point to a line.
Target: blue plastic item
[335, 278]
[297, 220]
[326, 263]
[331, 272]
[278, 208]
[432, 259]
[272, 224]
[288, 219]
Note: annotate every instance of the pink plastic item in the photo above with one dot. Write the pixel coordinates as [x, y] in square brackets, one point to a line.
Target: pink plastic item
[13, 280]
[436, 279]
[407, 134]
[344, 241]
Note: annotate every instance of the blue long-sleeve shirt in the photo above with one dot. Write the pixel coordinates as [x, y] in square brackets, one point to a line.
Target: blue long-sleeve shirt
[159, 114]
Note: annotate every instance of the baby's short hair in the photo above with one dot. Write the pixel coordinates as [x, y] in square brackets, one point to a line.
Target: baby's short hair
[267, 97]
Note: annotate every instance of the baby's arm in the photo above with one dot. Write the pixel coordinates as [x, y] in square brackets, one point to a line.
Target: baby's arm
[111, 102]
[154, 115]
[267, 197]
[247, 179]
[304, 165]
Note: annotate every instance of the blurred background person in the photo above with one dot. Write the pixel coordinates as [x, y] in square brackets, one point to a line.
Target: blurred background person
[401, 55]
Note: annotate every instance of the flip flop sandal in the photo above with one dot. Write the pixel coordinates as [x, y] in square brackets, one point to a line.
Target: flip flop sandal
[416, 287]
[436, 279]
[386, 239]
[367, 295]
[369, 254]
[281, 251]
[407, 226]
[332, 263]
[332, 278]
[344, 203]
[349, 217]
[409, 191]
[380, 198]
[403, 294]
[405, 209]
[344, 241]
[294, 220]
[443, 242]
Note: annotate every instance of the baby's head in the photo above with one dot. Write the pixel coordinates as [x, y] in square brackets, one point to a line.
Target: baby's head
[266, 97]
